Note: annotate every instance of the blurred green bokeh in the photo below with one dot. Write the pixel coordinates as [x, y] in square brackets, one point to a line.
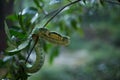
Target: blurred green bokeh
[98, 37]
[94, 50]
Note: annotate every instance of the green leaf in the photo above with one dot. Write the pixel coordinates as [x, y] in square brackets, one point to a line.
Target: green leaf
[73, 24]
[28, 18]
[19, 35]
[84, 1]
[102, 2]
[20, 19]
[81, 32]
[7, 32]
[20, 47]
[54, 1]
[69, 0]
[54, 52]
[1, 63]
[45, 46]
[37, 3]
[30, 11]
[12, 17]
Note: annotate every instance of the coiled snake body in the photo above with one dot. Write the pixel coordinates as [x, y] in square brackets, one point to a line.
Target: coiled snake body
[40, 57]
[52, 37]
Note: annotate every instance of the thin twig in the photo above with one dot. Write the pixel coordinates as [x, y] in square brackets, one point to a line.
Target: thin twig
[60, 11]
[48, 22]
[31, 49]
[112, 2]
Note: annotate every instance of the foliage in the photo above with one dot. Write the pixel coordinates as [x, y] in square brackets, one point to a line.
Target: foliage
[23, 35]
[104, 66]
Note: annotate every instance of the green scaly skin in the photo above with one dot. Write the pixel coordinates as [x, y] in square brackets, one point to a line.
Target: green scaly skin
[60, 40]
[40, 57]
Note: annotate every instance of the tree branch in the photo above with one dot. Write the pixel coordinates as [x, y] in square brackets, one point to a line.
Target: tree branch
[60, 11]
[36, 40]
[112, 2]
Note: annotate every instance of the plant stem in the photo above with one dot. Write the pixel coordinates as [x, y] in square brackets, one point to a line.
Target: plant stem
[113, 2]
[60, 11]
[36, 40]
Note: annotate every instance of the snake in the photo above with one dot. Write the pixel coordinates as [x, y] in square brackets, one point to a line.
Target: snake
[40, 58]
[51, 37]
